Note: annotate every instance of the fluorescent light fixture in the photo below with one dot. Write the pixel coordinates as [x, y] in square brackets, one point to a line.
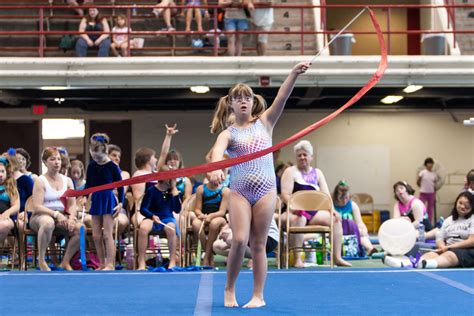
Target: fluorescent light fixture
[200, 89]
[469, 122]
[412, 88]
[390, 99]
[54, 88]
[63, 128]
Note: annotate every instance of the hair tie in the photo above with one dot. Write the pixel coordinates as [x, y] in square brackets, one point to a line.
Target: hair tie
[99, 138]
[4, 161]
[63, 151]
[404, 182]
[343, 183]
[11, 151]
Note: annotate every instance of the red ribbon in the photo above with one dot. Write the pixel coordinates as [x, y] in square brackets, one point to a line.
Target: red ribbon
[234, 161]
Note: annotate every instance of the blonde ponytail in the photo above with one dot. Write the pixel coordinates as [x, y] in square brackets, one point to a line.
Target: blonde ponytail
[221, 115]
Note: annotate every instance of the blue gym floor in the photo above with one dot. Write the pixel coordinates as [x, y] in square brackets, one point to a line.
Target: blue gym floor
[294, 292]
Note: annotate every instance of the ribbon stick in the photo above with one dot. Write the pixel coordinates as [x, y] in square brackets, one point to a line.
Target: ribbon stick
[172, 174]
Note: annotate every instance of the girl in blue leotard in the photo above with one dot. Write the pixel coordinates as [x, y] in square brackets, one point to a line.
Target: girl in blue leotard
[252, 184]
[104, 205]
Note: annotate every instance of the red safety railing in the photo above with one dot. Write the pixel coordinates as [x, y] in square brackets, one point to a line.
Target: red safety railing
[46, 14]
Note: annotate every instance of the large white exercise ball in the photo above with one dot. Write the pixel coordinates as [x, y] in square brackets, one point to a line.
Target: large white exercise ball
[397, 236]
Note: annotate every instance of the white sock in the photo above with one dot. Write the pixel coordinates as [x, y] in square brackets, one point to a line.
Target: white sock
[393, 262]
[430, 264]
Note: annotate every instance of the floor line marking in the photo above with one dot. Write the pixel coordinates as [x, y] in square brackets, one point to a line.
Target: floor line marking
[448, 281]
[204, 298]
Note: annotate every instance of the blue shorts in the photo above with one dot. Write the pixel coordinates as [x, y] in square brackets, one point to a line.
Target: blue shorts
[166, 220]
[236, 24]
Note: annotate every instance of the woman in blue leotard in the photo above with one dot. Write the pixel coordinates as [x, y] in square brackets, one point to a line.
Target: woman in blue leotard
[252, 184]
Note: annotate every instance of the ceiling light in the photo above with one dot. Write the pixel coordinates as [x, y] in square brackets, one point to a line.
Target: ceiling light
[54, 88]
[200, 89]
[390, 99]
[412, 88]
[469, 122]
[59, 100]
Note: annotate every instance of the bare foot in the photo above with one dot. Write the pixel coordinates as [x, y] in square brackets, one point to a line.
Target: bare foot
[342, 263]
[299, 263]
[108, 268]
[44, 266]
[255, 302]
[229, 299]
[65, 266]
[141, 268]
[171, 265]
[187, 30]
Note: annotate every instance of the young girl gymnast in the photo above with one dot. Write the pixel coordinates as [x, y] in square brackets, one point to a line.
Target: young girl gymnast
[104, 205]
[253, 187]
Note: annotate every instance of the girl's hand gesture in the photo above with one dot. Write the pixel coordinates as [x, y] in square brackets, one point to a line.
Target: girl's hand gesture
[117, 209]
[301, 68]
[171, 130]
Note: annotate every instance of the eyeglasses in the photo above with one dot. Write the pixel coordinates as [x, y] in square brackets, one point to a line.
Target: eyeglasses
[242, 98]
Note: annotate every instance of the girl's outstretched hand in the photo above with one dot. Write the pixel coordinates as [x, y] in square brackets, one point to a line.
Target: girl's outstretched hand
[301, 68]
[171, 130]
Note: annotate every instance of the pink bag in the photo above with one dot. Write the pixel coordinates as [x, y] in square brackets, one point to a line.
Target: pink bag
[93, 261]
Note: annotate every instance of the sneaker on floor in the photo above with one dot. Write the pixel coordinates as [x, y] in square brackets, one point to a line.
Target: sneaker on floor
[392, 262]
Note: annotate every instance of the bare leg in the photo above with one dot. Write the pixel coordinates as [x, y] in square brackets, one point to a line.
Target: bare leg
[238, 44]
[296, 240]
[198, 16]
[214, 228]
[262, 215]
[172, 244]
[109, 242]
[97, 222]
[124, 49]
[113, 48]
[447, 259]
[240, 218]
[5, 227]
[231, 44]
[45, 224]
[145, 229]
[72, 248]
[322, 218]
[189, 18]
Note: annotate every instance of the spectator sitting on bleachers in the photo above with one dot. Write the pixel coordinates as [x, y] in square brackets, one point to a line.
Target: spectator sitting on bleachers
[235, 20]
[93, 22]
[304, 177]
[352, 223]
[198, 13]
[411, 208]
[166, 9]
[455, 239]
[120, 41]
[262, 18]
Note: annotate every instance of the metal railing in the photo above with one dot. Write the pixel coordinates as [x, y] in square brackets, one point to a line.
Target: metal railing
[46, 14]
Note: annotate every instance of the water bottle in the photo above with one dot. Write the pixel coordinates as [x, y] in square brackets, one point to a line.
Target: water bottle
[134, 10]
[421, 232]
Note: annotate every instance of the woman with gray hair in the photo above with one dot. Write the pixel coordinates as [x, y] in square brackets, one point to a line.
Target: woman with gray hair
[304, 177]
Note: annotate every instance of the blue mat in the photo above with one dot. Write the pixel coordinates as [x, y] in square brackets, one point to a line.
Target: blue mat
[298, 292]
